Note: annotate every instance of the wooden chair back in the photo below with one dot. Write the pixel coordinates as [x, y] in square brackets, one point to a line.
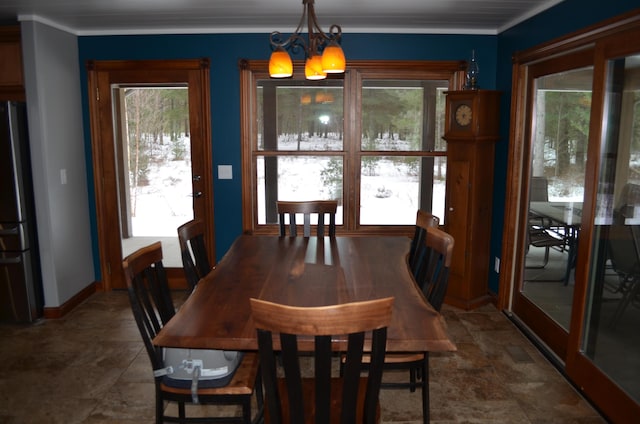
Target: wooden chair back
[435, 261]
[195, 259]
[317, 207]
[538, 192]
[152, 308]
[424, 220]
[149, 295]
[324, 398]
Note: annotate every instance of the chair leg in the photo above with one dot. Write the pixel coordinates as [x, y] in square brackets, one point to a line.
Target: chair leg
[246, 410]
[425, 389]
[545, 261]
[159, 406]
[412, 379]
[259, 418]
[259, 391]
[181, 412]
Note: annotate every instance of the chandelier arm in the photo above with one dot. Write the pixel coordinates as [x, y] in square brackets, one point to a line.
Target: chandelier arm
[334, 33]
[314, 45]
[317, 34]
[317, 37]
[295, 41]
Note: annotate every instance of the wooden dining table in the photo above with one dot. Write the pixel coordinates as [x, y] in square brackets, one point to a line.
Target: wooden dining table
[305, 271]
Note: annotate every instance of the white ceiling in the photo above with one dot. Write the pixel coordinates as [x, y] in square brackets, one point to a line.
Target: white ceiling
[94, 17]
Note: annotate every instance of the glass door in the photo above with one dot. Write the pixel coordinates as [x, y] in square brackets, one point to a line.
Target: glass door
[561, 108]
[558, 134]
[574, 270]
[153, 143]
[611, 340]
[152, 163]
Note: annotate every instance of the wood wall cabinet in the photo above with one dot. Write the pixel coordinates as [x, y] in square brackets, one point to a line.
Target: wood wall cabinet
[471, 131]
[11, 74]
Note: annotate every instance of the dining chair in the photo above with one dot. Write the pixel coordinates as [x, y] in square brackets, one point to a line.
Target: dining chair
[435, 262]
[623, 251]
[195, 259]
[298, 397]
[432, 276]
[540, 237]
[316, 207]
[538, 192]
[423, 221]
[152, 308]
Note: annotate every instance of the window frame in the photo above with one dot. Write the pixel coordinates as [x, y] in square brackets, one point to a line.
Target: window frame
[252, 71]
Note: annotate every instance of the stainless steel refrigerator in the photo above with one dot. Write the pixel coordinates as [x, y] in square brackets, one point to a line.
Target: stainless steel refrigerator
[21, 294]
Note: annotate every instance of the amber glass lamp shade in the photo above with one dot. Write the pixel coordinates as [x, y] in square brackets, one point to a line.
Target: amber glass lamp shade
[333, 61]
[313, 68]
[280, 65]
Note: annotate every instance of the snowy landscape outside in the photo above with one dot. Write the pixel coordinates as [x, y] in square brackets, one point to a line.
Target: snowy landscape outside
[166, 202]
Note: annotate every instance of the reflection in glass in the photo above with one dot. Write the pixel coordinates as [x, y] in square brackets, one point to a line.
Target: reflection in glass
[306, 118]
[298, 120]
[560, 135]
[390, 188]
[300, 178]
[403, 115]
[612, 339]
[296, 117]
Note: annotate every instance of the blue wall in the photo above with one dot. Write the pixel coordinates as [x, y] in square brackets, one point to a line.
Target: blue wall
[224, 52]
[494, 55]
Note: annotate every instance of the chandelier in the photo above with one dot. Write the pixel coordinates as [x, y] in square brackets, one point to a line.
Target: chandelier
[323, 53]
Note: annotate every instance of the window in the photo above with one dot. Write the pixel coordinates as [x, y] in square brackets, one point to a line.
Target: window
[371, 139]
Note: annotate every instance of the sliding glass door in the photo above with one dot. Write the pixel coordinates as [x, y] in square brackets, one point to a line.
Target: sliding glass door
[610, 344]
[571, 252]
[557, 131]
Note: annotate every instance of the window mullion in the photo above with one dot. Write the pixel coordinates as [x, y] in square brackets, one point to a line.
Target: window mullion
[270, 139]
[352, 110]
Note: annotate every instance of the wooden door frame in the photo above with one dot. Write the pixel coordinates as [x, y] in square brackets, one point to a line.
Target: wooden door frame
[556, 337]
[101, 75]
[616, 404]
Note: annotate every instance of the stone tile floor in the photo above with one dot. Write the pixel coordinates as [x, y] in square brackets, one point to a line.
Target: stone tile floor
[90, 367]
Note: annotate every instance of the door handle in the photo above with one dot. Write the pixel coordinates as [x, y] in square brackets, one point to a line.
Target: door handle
[9, 231]
[197, 178]
[10, 261]
[197, 194]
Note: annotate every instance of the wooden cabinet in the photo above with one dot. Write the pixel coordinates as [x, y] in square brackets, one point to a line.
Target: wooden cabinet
[471, 131]
[11, 74]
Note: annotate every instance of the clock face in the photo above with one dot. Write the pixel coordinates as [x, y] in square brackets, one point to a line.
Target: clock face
[463, 115]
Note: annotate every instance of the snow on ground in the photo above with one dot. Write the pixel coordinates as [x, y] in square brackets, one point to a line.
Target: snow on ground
[390, 196]
[166, 203]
